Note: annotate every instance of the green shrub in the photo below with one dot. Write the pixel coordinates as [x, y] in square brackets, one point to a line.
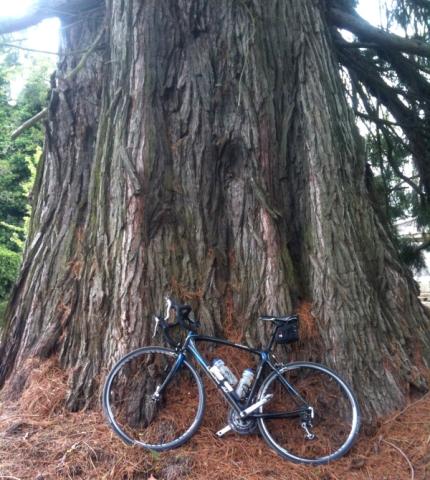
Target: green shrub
[9, 266]
[3, 306]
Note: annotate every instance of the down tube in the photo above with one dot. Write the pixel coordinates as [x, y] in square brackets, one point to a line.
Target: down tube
[191, 347]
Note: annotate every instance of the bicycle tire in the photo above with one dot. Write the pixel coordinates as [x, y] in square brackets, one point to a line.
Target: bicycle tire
[132, 413]
[337, 415]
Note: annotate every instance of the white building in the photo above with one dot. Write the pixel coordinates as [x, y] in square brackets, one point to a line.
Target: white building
[408, 228]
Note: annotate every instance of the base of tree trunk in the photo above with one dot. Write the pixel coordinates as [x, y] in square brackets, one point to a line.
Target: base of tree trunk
[206, 150]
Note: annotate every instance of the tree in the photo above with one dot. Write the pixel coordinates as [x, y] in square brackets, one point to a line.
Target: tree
[206, 148]
[390, 92]
[17, 161]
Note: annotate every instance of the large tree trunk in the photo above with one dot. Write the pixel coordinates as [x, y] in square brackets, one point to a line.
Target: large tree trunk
[206, 149]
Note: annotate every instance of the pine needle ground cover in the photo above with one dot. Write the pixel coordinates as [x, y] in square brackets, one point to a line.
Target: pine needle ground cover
[40, 439]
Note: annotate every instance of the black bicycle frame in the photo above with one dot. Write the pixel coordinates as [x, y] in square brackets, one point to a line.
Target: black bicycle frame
[189, 346]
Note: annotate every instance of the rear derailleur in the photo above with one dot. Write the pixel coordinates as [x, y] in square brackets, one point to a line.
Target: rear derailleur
[306, 419]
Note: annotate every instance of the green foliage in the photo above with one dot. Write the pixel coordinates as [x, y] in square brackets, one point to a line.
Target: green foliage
[9, 265]
[19, 157]
[3, 306]
[396, 195]
[389, 159]
[410, 255]
[389, 89]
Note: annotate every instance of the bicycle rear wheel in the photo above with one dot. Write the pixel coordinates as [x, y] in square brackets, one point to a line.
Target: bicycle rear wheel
[132, 410]
[336, 418]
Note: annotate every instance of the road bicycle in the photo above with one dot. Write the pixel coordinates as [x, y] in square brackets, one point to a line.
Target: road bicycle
[154, 397]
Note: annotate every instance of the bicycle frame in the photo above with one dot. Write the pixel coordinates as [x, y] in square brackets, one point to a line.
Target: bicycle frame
[130, 394]
[189, 346]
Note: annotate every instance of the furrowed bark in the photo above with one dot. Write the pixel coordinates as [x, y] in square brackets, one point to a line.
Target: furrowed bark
[208, 152]
[357, 283]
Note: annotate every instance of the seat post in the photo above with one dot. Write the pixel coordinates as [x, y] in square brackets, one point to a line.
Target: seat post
[272, 340]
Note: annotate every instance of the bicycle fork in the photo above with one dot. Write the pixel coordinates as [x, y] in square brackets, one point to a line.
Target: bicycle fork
[175, 367]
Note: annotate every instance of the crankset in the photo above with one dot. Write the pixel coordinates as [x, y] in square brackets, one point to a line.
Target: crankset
[243, 416]
[242, 426]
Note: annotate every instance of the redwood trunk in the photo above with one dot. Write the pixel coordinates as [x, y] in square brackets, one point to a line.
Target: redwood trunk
[206, 149]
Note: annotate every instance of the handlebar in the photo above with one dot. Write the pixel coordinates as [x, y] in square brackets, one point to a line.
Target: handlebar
[182, 312]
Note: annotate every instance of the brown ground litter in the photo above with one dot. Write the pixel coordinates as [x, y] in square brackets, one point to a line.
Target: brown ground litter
[41, 440]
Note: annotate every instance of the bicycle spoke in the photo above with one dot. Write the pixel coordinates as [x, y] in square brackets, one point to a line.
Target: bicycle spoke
[304, 438]
[157, 424]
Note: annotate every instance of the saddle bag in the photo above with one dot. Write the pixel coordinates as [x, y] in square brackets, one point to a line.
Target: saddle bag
[288, 331]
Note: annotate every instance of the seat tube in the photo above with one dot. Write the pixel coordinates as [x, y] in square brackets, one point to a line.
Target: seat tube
[272, 340]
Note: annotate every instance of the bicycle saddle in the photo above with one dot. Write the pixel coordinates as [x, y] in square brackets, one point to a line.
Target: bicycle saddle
[272, 318]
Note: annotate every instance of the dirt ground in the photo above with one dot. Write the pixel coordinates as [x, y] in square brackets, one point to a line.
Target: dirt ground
[41, 440]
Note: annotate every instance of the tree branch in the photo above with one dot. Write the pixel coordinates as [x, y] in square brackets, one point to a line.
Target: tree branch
[395, 168]
[12, 45]
[377, 120]
[415, 128]
[85, 56]
[372, 115]
[29, 123]
[408, 73]
[63, 54]
[358, 44]
[42, 9]
[422, 246]
[369, 33]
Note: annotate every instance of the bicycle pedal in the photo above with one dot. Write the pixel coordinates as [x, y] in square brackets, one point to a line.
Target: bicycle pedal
[223, 431]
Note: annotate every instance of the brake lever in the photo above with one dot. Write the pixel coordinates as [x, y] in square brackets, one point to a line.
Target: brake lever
[168, 307]
[157, 321]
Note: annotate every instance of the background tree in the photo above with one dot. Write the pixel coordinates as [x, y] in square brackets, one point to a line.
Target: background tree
[18, 160]
[206, 148]
[388, 86]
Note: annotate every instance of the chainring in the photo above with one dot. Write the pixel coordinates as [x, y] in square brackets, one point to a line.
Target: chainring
[242, 426]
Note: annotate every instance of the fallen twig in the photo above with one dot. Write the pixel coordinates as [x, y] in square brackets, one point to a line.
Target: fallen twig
[403, 455]
[405, 409]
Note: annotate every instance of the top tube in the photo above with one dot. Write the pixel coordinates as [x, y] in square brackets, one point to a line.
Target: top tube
[221, 341]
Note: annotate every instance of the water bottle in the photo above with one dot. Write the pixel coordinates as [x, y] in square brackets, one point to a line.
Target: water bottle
[226, 373]
[244, 383]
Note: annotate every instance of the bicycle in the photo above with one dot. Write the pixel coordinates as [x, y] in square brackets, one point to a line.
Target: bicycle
[154, 398]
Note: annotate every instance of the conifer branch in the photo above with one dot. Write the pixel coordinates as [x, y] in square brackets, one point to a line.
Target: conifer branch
[29, 123]
[355, 24]
[43, 9]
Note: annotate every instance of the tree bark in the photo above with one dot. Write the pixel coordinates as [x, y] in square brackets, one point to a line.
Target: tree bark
[208, 151]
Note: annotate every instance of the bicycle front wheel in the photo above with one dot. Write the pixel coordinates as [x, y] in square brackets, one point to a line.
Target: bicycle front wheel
[135, 411]
[317, 422]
